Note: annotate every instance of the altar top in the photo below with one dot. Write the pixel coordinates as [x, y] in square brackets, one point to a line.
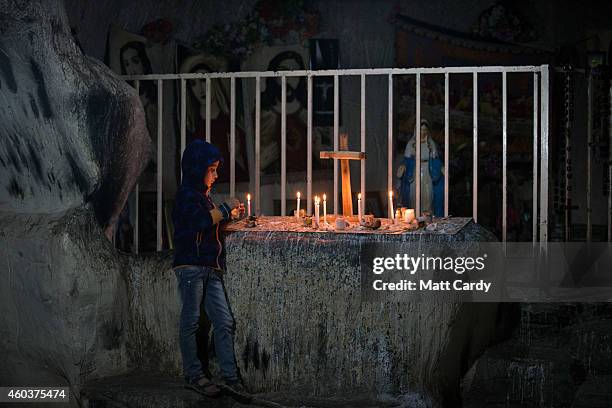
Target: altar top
[439, 226]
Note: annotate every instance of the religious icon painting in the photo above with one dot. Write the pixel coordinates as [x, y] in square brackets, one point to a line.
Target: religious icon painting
[282, 58]
[190, 61]
[323, 56]
[132, 54]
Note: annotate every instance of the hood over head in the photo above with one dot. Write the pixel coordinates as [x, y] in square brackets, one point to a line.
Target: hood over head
[197, 157]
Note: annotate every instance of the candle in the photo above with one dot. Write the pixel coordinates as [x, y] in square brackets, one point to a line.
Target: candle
[297, 214]
[249, 204]
[316, 214]
[324, 209]
[409, 215]
[391, 205]
[359, 206]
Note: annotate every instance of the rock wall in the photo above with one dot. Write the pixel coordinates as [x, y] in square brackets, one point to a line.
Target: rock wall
[72, 145]
[71, 132]
[73, 309]
[63, 301]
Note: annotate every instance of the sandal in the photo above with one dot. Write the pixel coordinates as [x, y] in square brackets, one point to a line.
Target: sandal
[205, 387]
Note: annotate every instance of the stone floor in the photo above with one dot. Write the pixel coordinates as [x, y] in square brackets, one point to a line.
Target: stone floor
[158, 391]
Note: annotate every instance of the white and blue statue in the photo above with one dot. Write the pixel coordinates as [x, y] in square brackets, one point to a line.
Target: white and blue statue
[432, 174]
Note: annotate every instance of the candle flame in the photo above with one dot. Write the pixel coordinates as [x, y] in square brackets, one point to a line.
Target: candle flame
[324, 197]
[359, 196]
[249, 197]
[298, 194]
[390, 193]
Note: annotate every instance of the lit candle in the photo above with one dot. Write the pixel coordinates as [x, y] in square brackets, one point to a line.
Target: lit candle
[297, 214]
[249, 204]
[359, 206]
[398, 216]
[324, 209]
[316, 214]
[391, 205]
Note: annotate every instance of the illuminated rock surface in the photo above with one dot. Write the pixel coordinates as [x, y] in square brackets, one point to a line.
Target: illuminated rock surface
[71, 132]
[72, 138]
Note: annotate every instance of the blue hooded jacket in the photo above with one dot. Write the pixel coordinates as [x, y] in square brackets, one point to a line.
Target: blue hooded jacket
[196, 238]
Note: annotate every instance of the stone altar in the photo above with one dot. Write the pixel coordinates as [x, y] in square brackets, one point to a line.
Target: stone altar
[301, 323]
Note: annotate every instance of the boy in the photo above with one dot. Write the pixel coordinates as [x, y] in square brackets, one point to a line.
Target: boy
[198, 265]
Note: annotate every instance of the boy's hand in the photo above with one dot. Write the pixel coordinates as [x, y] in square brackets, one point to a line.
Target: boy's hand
[230, 207]
[233, 202]
[238, 212]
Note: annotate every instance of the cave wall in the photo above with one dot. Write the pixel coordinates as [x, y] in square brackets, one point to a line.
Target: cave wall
[365, 31]
[63, 301]
[71, 133]
[366, 36]
[72, 145]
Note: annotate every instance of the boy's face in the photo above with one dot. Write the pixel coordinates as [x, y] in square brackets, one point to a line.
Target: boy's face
[211, 174]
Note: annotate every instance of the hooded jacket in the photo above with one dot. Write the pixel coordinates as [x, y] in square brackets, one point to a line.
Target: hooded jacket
[196, 218]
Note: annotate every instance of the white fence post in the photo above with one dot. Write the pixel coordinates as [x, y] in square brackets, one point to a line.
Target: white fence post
[544, 101]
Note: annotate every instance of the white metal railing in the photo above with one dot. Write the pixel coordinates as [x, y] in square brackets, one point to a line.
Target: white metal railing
[540, 132]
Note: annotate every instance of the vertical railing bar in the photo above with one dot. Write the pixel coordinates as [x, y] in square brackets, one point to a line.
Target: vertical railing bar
[446, 141]
[417, 136]
[309, 147]
[535, 158]
[208, 115]
[589, 210]
[504, 157]
[567, 182]
[257, 145]
[336, 125]
[475, 150]
[283, 146]
[183, 119]
[610, 168]
[390, 140]
[362, 187]
[159, 161]
[232, 136]
[544, 101]
[137, 193]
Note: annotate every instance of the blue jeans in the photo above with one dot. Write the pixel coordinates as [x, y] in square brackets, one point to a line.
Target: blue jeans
[195, 283]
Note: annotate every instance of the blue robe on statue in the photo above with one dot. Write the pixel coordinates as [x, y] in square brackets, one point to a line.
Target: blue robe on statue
[432, 178]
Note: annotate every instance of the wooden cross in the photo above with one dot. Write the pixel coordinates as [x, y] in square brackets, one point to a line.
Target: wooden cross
[345, 156]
